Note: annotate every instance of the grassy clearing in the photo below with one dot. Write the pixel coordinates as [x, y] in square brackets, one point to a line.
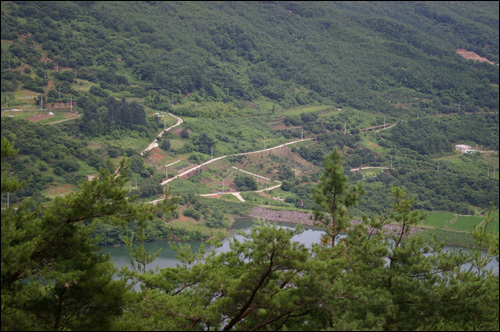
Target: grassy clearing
[176, 144]
[181, 186]
[18, 114]
[439, 219]
[83, 85]
[237, 134]
[474, 165]
[368, 143]
[133, 141]
[354, 118]
[466, 223]
[257, 199]
[372, 172]
[53, 119]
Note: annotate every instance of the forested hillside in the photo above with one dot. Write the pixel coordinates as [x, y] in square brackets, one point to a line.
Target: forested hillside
[229, 68]
[369, 56]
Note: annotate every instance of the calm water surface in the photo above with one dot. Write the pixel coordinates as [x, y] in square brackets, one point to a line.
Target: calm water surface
[167, 257]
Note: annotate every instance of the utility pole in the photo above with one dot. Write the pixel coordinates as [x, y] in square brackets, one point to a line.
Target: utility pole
[59, 92]
[166, 175]
[438, 166]
[211, 152]
[41, 103]
[71, 104]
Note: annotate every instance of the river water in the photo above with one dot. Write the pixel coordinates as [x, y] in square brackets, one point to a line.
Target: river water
[167, 257]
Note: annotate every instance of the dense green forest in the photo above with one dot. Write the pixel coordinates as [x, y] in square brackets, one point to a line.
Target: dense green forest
[365, 55]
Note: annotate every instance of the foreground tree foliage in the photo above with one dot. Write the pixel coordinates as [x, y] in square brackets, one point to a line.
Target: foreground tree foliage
[333, 198]
[53, 276]
[371, 279]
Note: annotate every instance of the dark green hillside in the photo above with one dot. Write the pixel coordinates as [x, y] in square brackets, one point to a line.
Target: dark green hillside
[249, 75]
[380, 56]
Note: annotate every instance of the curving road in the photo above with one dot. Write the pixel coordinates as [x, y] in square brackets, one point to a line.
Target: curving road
[154, 144]
[230, 155]
[236, 194]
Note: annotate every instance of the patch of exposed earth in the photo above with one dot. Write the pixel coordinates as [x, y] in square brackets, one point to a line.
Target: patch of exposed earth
[470, 55]
[303, 218]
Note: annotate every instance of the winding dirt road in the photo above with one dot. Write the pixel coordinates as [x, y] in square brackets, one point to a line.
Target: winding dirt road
[154, 144]
[230, 155]
[236, 194]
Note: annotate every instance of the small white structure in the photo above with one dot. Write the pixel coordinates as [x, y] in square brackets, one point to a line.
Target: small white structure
[51, 113]
[462, 148]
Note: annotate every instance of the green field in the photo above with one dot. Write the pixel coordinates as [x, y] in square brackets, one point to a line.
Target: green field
[493, 228]
[439, 219]
[466, 223]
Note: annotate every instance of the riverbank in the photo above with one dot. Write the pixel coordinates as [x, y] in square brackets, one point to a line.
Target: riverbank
[307, 219]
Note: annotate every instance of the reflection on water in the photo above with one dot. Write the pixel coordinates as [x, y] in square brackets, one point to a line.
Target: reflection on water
[167, 257]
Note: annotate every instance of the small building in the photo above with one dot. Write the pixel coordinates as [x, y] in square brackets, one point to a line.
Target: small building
[462, 148]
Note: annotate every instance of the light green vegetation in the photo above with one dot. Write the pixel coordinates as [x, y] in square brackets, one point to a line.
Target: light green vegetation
[439, 219]
[451, 237]
[475, 165]
[82, 85]
[466, 223]
[176, 144]
[181, 186]
[370, 173]
[242, 134]
[356, 119]
[450, 221]
[132, 139]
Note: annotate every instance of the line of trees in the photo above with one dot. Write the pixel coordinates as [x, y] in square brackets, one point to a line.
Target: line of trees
[110, 115]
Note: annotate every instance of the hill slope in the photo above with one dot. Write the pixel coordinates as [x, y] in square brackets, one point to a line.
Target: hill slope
[372, 56]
